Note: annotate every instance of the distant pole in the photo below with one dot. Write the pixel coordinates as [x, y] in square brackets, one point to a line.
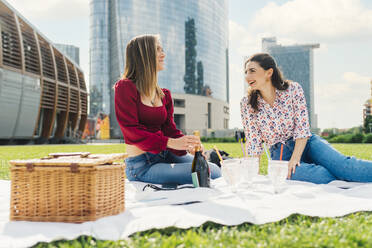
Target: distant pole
[370, 127]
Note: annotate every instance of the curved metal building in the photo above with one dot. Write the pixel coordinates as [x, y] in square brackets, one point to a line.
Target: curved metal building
[43, 95]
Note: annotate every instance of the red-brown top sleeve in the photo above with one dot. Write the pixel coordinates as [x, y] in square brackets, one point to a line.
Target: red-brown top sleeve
[126, 110]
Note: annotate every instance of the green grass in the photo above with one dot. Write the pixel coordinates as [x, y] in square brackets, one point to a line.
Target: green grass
[295, 231]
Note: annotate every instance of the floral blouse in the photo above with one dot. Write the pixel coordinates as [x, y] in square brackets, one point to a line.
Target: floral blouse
[287, 118]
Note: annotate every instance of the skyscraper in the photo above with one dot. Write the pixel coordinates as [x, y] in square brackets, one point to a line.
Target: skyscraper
[296, 63]
[194, 35]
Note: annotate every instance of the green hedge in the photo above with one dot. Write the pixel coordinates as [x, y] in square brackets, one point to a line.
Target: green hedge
[368, 138]
[351, 138]
[218, 140]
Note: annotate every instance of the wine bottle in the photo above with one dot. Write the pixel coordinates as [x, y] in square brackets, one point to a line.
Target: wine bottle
[200, 169]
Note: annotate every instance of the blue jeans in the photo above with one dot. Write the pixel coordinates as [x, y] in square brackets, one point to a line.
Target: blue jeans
[164, 167]
[321, 163]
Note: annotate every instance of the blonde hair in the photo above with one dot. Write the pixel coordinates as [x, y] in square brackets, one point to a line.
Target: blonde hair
[141, 64]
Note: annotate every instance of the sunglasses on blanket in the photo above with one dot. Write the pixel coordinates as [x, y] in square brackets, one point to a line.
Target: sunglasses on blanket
[168, 186]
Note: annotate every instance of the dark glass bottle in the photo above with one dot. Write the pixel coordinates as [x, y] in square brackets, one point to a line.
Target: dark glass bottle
[200, 167]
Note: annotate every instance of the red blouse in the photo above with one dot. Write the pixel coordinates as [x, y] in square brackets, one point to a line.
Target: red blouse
[146, 127]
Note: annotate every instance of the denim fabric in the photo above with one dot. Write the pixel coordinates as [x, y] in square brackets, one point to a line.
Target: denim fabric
[321, 163]
[164, 167]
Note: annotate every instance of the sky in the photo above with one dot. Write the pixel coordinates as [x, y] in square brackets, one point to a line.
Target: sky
[342, 64]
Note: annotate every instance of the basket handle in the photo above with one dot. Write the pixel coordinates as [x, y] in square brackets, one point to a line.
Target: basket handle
[57, 155]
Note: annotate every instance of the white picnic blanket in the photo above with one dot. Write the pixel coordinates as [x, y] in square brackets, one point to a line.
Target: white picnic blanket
[186, 208]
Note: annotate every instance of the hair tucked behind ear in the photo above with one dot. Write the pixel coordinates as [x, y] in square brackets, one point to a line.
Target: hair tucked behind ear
[277, 79]
[140, 64]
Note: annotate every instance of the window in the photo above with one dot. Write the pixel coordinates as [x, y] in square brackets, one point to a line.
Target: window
[226, 123]
[179, 103]
[226, 110]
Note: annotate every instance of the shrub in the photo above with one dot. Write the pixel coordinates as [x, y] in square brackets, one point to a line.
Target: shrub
[367, 138]
[219, 140]
[344, 138]
[357, 138]
[348, 138]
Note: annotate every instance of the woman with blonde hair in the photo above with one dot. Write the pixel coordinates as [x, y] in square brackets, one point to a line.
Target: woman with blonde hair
[157, 149]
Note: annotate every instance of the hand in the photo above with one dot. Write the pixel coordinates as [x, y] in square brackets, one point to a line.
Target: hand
[191, 149]
[292, 166]
[184, 142]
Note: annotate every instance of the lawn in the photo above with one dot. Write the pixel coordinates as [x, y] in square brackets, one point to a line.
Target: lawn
[296, 231]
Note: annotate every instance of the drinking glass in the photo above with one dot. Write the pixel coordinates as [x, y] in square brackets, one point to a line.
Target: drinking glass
[277, 171]
[250, 168]
[231, 172]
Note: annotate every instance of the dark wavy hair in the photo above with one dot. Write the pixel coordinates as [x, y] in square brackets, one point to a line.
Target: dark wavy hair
[266, 62]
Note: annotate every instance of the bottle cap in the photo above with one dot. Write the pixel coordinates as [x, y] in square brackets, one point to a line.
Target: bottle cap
[197, 133]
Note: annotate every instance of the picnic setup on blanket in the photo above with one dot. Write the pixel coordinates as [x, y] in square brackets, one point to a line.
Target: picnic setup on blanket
[66, 195]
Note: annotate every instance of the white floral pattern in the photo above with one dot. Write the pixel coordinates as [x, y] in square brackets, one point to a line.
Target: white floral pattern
[287, 118]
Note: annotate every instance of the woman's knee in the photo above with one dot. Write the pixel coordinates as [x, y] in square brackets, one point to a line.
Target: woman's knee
[215, 170]
[128, 175]
[312, 173]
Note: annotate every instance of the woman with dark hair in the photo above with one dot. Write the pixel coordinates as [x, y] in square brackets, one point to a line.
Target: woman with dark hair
[157, 149]
[275, 112]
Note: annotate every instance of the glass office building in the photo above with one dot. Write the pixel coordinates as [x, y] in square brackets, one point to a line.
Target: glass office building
[296, 63]
[194, 35]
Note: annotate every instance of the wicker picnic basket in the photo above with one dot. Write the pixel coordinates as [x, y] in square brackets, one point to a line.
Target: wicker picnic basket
[67, 187]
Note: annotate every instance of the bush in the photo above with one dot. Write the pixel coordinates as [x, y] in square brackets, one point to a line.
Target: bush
[219, 140]
[357, 138]
[344, 138]
[367, 138]
[349, 138]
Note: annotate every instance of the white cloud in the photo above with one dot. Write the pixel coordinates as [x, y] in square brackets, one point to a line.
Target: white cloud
[340, 104]
[355, 78]
[51, 9]
[315, 20]
[242, 41]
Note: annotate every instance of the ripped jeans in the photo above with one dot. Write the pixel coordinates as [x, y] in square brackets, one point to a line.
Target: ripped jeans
[164, 167]
[321, 163]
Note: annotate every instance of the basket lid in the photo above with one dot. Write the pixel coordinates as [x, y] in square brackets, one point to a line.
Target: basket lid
[71, 159]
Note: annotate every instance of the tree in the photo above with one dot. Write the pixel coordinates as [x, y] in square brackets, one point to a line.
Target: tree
[190, 57]
[200, 79]
[367, 125]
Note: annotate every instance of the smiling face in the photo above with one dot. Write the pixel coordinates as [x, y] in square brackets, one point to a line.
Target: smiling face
[160, 56]
[256, 76]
